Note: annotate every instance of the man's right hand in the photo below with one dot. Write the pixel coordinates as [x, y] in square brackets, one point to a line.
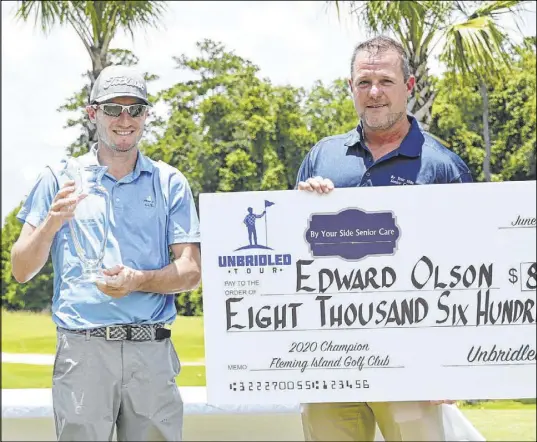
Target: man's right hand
[63, 206]
[31, 250]
[317, 184]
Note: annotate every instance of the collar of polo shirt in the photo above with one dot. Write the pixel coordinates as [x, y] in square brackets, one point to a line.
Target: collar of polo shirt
[143, 164]
[410, 146]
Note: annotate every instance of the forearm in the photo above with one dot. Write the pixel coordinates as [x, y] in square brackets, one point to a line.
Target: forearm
[183, 274]
[29, 254]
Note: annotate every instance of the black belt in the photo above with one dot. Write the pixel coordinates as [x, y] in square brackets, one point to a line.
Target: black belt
[129, 332]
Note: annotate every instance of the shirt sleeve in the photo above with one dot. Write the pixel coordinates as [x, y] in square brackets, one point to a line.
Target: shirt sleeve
[465, 177]
[37, 204]
[306, 168]
[457, 171]
[183, 226]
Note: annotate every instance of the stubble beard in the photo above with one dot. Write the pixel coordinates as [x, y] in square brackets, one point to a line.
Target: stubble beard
[106, 140]
[384, 124]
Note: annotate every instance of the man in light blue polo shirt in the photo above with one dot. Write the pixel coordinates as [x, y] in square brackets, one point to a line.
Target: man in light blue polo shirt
[388, 148]
[115, 363]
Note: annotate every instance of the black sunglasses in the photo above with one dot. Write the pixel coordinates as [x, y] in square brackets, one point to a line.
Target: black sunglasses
[115, 110]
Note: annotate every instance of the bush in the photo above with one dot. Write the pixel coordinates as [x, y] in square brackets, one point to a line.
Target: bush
[190, 303]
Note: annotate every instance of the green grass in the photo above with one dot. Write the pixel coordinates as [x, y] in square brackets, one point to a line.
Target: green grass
[509, 404]
[503, 424]
[26, 376]
[40, 376]
[25, 332]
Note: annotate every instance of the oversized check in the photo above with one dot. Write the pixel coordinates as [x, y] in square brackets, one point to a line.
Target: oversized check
[370, 294]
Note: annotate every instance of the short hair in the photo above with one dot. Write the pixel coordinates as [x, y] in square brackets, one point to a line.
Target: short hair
[381, 44]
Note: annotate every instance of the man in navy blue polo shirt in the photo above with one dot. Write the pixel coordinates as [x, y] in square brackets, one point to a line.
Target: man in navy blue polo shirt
[388, 148]
[115, 364]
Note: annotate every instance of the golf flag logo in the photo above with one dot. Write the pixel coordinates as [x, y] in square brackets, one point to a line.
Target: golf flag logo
[251, 228]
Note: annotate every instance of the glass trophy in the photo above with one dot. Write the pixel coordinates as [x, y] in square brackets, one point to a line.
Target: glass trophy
[90, 224]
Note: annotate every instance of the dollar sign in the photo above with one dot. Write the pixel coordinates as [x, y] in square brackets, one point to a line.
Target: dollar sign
[531, 283]
[513, 276]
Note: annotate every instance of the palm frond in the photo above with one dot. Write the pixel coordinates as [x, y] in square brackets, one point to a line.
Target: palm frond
[336, 5]
[475, 46]
[46, 14]
[134, 14]
[491, 8]
[95, 22]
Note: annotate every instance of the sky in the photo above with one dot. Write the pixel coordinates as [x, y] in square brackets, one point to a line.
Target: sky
[293, 43]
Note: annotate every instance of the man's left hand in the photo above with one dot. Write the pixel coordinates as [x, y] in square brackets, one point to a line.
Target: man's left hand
[119, 281]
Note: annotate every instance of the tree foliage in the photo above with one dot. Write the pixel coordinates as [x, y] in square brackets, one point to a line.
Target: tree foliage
[35, 295]
[96, 23]
[228, 130]
[467, 34]
[512, 101]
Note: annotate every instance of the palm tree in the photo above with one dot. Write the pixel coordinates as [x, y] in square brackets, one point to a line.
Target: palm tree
[478, 47]
[469, 41]
[96, 23]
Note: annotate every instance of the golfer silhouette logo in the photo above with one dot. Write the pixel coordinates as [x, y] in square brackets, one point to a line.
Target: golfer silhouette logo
[250, 223]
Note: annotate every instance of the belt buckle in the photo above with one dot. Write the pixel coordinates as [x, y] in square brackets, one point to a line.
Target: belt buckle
[108, 337]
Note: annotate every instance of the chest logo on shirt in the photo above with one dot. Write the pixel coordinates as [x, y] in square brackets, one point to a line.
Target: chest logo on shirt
[148, 202]
[400, 181]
